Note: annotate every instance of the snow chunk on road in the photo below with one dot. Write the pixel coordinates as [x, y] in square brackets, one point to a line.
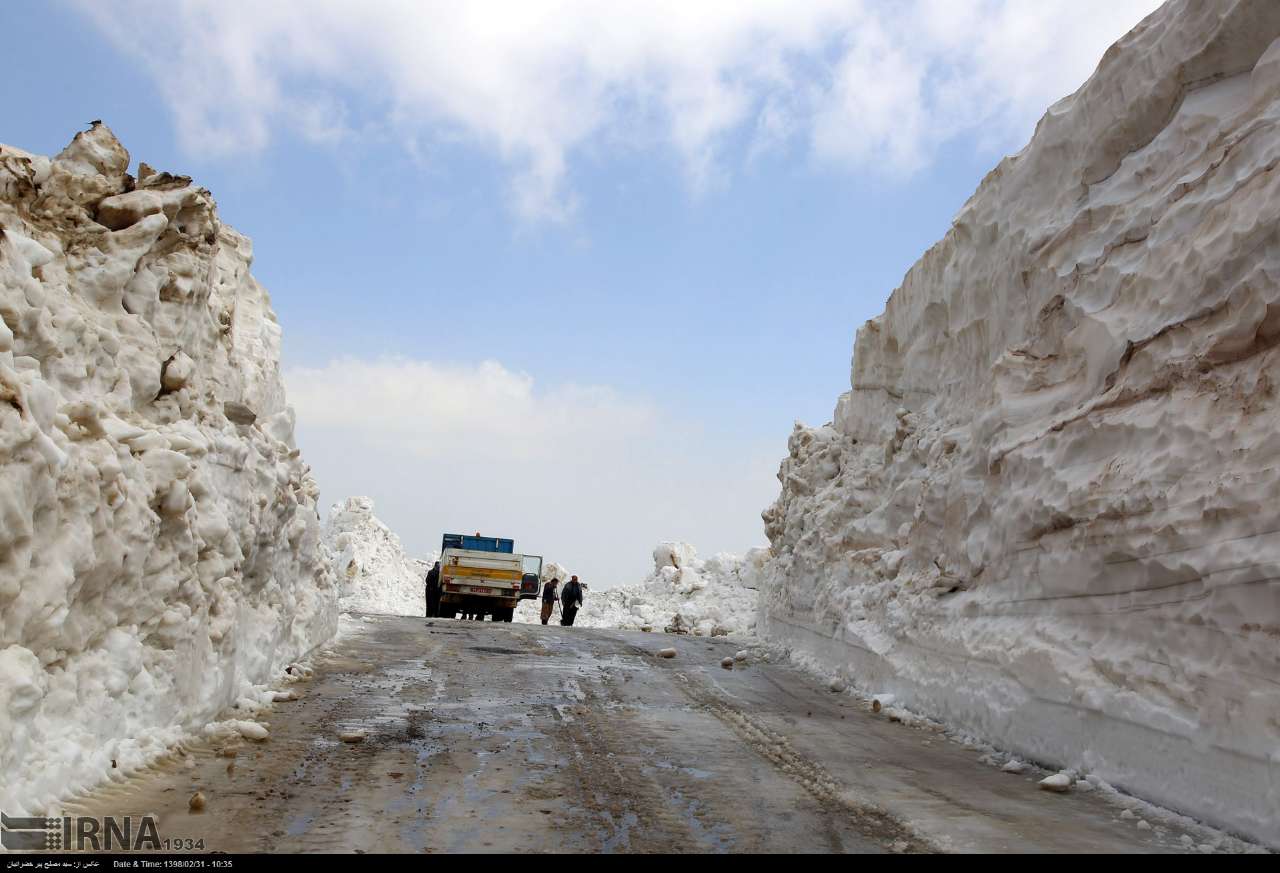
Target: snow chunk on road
[1059, 782]
[251, 730]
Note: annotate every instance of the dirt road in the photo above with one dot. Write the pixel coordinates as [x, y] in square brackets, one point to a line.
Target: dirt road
[510, 737]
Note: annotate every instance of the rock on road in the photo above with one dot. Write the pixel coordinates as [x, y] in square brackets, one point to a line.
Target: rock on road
[523, 738]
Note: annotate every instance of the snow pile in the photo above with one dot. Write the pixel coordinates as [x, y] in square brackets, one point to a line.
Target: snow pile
[1045, 513]
[708, 598]
[159, 542]
[552, 570]
[374, 572]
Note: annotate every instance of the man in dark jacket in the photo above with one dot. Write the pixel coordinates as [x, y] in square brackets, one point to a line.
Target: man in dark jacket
[570, 601]
[549, 598]
[433, 591]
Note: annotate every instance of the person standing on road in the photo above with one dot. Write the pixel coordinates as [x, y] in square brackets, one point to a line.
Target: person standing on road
[433, 591]
[549, 598]
[570, 601]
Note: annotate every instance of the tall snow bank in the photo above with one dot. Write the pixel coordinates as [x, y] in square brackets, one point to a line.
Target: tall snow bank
[707, 597]
[374, 572]
[1045, 512]
[159, 541]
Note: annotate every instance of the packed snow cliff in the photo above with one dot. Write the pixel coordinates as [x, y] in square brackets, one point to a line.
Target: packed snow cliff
[683, 594]
[1046, 510]
[374, 572]
[159, 542]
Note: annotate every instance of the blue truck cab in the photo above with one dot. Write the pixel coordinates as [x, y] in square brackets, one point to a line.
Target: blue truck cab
[477, 544]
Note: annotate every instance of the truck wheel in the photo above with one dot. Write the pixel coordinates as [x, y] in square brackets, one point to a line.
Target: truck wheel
[509, 614]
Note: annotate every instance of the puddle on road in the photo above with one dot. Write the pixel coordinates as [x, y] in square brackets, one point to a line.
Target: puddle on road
[621, 838]
[688, 771]
[717, 838]
[627, 663]
[299, 825]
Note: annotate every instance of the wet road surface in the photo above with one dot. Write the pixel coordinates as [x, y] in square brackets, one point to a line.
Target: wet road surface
[524, 738]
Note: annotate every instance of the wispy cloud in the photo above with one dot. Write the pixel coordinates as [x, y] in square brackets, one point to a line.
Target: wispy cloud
[861, 84]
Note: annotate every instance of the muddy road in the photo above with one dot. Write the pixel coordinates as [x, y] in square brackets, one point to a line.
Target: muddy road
[523, 738]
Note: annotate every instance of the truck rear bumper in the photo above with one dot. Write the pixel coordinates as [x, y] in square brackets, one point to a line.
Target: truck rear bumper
[455, 589]
[479, 602]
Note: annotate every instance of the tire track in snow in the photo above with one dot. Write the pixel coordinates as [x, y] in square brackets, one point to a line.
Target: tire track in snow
[867, 818]
[630, 811]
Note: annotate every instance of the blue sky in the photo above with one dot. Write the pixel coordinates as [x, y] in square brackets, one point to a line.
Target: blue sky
[660, 232]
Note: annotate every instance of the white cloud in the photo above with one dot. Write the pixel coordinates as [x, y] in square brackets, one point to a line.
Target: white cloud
[582, 474]
[869, 84]
[874, 110]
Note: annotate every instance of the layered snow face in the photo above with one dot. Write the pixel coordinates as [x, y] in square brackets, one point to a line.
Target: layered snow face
[159, 542]
[711, 597]
[373, 570]
[1046, 511]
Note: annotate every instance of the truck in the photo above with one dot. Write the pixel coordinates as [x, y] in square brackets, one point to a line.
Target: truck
[483, 576]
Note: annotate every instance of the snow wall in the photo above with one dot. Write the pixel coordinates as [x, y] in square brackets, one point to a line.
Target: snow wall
[159, 542]
[1047, 510]
[373, 570]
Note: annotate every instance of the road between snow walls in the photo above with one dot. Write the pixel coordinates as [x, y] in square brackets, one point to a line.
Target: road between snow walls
[1044, 513]
[160, 555]
[686, 594]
